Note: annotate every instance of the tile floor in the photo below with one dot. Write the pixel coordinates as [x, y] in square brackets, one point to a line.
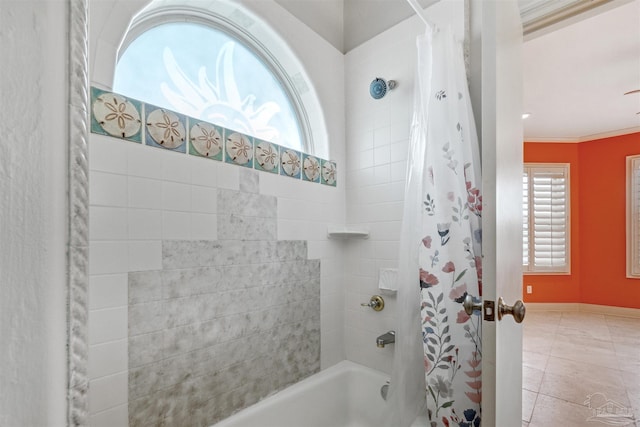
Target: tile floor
[568, 356]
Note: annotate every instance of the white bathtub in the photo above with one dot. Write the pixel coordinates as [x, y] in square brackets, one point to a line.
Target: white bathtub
[344, 395]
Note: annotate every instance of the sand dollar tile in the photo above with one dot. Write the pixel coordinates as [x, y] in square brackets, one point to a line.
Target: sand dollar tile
[310, 168]
[290, 163]
[165, 128]
[329, 173]
[267, 155]
[206, 140]
[239, 149]
[115, 115]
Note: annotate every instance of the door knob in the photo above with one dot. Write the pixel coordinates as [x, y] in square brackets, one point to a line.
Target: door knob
[470, 306]
[517, 310]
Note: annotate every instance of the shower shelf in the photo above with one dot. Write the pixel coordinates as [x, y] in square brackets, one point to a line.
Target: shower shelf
[347, 232]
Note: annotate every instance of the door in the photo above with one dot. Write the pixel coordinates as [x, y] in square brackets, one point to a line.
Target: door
[497, 30]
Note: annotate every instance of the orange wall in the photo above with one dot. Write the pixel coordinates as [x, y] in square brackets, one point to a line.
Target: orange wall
[603, 219]
[558, 288]
[598, 225]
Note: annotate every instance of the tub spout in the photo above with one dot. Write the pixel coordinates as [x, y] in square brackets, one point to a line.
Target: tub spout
[384, 339]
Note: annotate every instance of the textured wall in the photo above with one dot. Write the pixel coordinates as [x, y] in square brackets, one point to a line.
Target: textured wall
[33, 218]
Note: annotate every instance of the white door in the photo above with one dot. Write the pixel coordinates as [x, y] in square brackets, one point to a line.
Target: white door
[502, 146]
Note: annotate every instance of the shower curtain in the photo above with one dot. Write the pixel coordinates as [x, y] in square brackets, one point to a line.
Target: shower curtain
[437, 364]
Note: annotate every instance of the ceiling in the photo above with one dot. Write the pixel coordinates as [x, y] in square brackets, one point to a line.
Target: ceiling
[575, 78]
[575, 71]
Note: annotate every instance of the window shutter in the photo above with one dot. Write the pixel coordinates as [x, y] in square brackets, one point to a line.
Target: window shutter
[633, 216]
[546, 218]
[525, 224]
[549, 222]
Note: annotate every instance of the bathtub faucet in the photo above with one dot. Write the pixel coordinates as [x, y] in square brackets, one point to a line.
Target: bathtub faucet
[384, 339]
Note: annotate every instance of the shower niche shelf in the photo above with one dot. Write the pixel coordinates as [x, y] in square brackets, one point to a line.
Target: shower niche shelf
[347, 232]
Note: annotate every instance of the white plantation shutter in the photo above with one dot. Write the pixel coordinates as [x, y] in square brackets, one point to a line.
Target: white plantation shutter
[546, 227]
[525, 215]
[633, 216]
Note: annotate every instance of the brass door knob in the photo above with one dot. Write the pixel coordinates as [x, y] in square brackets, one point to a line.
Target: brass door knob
[517, 310]
[470, 306]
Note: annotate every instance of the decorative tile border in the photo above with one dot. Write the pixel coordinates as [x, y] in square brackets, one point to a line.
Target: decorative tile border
[328, 172]
[310, 168]
[165, 129]
[290, 163]
[132, 120]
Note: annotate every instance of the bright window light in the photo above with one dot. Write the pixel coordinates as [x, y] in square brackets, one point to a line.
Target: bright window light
[205, 73]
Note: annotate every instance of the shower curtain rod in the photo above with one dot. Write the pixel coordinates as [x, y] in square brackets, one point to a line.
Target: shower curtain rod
[419, 11]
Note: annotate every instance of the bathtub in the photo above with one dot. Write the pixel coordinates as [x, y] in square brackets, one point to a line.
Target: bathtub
[344, 395]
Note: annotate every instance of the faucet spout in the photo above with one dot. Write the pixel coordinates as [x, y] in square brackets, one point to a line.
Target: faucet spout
[384, 339]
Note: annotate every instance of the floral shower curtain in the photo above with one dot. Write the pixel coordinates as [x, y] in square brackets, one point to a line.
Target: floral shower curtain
[440, 263]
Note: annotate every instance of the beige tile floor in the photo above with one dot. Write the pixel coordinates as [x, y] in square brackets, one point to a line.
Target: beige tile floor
[568, 356]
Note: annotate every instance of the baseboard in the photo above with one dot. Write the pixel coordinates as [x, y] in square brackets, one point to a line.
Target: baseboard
[575, 307]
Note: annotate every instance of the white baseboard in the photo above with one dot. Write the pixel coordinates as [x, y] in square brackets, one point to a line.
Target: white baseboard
[576, 307]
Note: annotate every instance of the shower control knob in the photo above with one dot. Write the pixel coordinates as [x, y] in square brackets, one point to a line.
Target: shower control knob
[376, 302]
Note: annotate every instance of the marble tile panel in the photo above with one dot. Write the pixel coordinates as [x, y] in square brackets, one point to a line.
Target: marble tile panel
[249, 181]
[145, 286]
[148, 410]
[191, 253]
[239, 276]
[190, 281]
[535, 360]
[184, 311]
[145, 349]
[146, 317]
[182, 339]
[147, 379]
[239, 227]
[225, 329]
[247, 204]
[287, 250]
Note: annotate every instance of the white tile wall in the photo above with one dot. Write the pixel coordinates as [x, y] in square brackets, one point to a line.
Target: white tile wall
[108, 291]
[144, 224]
[377, 146]
[139, 197]
[108, 358]
[115, 416]
[108, 324]
[107, 189]
[108, 392]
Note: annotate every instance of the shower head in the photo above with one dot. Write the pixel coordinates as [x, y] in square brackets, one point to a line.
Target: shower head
[378, 87]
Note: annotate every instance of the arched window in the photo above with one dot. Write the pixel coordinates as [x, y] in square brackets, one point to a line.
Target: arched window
[211, 72]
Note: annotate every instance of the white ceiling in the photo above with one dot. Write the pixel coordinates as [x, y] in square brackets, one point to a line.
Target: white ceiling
[575, 71]
[575, 77]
